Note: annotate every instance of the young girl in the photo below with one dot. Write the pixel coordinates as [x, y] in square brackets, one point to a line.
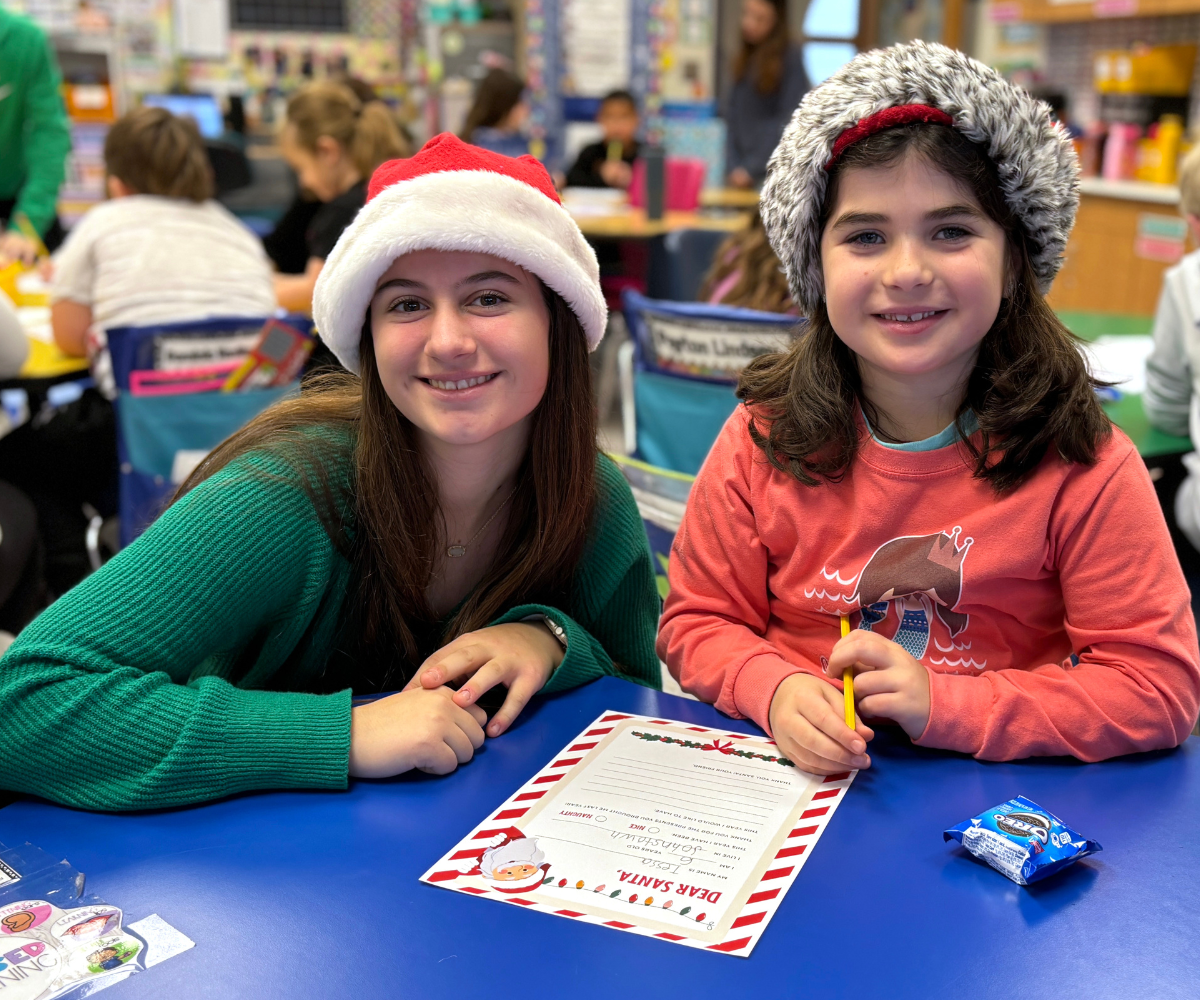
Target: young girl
[745, 272]
[930, 458]
[498, 113]
[333, 140]
[443, 517]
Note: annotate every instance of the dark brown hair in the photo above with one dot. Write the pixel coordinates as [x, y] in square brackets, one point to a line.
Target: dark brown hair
[151, 151]
[1030, 387]
[365, 129]
[764, 61]
[497, 94]
[391, 526]
[761, 283]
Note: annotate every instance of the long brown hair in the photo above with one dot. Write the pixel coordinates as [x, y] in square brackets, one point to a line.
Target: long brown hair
[364, 129]
[390, 525]
[1030, 387]
[761, 283]
[497, 94]
[764, 61]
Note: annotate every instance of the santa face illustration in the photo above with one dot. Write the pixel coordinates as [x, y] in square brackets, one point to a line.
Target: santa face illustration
[515, 865]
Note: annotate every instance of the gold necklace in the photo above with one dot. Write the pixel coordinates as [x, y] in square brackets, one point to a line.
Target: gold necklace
[457, 551]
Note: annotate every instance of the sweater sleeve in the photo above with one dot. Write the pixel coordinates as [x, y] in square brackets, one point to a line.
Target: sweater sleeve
[716, 613]
[1134, 683]
[127, 693]
[46, 140]
[1167, 399]
[614, 611]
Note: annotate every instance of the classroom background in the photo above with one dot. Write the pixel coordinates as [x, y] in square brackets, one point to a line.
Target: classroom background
[693, 288]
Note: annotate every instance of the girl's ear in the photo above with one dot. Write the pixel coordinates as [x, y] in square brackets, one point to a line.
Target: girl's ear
[328, 148]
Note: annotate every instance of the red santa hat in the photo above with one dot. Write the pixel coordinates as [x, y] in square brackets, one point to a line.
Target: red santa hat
[453, 196]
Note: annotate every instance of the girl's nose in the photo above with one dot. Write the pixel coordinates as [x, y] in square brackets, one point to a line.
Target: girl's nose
[907, 266]
[450, 334]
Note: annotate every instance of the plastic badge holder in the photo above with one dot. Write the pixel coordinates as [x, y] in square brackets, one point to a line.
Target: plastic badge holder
[55, 942]
[1022, 840]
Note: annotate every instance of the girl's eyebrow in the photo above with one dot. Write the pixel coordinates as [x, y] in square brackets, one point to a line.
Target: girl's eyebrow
[859, 219]
[954, 211]
[471, 280]
[876, 218]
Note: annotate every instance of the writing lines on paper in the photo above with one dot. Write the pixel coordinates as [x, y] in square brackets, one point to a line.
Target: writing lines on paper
[748, 785]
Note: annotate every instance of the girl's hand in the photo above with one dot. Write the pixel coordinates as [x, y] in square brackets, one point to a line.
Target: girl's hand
[520, 655]
[808, 723]
[888, 682]
[421, 729]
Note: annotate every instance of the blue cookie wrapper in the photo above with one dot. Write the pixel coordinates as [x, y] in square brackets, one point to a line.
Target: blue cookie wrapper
[1022, 840]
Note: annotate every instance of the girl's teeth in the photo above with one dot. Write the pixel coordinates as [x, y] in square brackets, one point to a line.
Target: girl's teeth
[463, 383]
[914, 317]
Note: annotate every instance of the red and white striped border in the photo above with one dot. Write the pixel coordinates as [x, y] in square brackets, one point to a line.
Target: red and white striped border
[758, 909]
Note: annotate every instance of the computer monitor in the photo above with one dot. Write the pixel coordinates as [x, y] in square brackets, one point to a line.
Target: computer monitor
[201, 108]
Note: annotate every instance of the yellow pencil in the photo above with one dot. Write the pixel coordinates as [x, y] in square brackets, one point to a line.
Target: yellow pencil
[848, 680]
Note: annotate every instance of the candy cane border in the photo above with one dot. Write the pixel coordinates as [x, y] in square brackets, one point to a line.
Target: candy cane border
[759, 907]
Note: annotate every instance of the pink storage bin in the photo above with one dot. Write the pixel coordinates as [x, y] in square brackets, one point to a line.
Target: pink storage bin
[684, 177]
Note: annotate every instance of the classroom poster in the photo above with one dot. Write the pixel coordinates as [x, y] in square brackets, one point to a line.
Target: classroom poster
[683, 833]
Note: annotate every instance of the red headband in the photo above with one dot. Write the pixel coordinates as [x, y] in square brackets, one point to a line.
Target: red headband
[887, 118]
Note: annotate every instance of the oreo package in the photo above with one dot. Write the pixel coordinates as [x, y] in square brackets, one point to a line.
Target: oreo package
[1022, 840]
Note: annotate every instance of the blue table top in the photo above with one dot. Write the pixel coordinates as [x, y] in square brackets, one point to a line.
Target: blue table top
[316, 894]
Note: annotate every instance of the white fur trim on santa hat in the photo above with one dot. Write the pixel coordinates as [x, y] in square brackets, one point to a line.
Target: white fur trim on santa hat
[477, 211]
[1036, 163]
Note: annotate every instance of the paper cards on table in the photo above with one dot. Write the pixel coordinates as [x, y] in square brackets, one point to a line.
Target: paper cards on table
[688, 834]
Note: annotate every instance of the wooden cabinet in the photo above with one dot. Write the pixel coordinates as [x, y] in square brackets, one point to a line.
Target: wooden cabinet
[1104, 270]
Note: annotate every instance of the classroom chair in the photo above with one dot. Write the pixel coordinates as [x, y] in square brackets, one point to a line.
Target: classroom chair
[170, 408]
[688, 255]
[661, 497]
[678, 372]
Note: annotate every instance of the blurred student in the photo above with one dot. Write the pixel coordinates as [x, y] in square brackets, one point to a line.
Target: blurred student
[333, 140]
[14, 345]
[747, 273]
[768, 82]
[1172, 396]
[609, 162]
[34, 139]
[498, 115]
[160, 250]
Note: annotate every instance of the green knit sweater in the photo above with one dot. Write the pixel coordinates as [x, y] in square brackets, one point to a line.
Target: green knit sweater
[183, 670]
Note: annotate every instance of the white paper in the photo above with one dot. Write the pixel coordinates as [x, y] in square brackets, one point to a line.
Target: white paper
[1121, 359]
[162, 940]
[202, 28]
[684, 833]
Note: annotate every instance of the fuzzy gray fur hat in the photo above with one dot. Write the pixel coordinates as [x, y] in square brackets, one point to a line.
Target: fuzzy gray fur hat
[1036, 163]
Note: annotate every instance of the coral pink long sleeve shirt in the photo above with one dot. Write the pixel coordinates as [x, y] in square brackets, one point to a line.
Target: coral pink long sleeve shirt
[1052, 620]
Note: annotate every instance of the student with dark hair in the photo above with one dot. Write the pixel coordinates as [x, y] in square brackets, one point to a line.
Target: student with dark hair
[609, 162]
[497, 115]
[768, 82]
[435, 521]
[929, 459]
[160, 250]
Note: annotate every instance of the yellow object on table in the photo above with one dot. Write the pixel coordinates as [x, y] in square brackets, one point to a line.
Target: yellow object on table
[847, 681]
[25, 288]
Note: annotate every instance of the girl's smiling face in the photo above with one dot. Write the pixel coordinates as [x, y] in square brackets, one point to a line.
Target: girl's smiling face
[914, 271]
[462, 343]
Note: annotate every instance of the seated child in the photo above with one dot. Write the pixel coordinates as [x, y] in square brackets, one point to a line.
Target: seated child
[746, 273]
[160, 250]
[333, 140]
[440, 516]
[498, 114]
[609, 162]
[929, 458]
[1172, 396]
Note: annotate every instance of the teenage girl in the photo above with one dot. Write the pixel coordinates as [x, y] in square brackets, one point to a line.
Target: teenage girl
[333, 140]
[929, 458]
[441, 517]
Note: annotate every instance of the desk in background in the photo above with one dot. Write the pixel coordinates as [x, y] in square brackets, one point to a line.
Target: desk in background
[631, 223]
[316, 895]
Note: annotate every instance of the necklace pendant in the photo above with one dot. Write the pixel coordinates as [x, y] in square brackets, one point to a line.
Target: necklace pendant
[456, 551]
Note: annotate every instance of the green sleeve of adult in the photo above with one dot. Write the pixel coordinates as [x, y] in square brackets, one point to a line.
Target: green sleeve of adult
[122, 694]
[46, 140]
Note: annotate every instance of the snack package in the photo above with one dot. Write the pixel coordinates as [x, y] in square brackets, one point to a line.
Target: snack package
[1022, 840]
[53, 940]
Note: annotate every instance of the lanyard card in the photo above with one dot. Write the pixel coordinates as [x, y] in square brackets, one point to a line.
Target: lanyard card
[683, 833]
